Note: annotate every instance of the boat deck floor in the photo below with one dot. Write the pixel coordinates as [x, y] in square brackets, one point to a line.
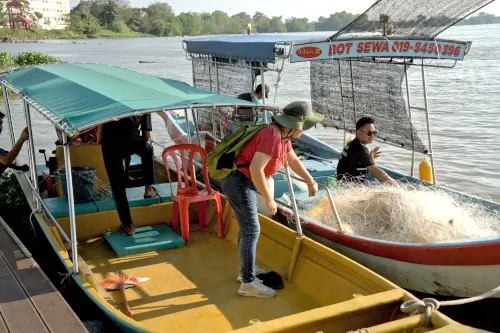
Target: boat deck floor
[29, 302]
[193, 288]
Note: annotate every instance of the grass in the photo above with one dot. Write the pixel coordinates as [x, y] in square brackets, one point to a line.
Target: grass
[21, 35]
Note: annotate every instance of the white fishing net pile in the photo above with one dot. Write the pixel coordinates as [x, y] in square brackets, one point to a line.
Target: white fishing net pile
[411, 214]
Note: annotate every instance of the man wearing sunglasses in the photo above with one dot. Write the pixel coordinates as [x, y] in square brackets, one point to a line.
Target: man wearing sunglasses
[355, 160]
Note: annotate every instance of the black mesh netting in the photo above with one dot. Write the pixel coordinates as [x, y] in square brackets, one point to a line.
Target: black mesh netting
[416, 18]
[377, 93]
[233, 80]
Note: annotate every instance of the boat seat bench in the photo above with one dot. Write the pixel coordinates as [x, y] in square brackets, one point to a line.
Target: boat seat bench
[58, 206]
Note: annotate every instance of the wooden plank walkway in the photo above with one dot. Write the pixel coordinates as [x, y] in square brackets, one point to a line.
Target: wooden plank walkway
[29, 302]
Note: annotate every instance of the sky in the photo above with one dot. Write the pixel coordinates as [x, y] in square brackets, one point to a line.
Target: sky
[312, 9]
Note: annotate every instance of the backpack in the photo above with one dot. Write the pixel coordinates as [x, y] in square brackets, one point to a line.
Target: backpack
[221, 160]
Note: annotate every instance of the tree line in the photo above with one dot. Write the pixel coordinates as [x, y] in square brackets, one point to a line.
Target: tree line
[159, 19]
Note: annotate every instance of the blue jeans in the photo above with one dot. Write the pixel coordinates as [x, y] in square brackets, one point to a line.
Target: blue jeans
[242, 196]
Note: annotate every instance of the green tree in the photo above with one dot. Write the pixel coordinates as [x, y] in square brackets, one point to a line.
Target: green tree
[276, 24]
[84, 23]
[294, 24]
[133, 18]
[191, 24]
[261, 22]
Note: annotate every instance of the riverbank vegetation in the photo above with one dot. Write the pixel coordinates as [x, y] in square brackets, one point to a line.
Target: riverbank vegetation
[118, 19]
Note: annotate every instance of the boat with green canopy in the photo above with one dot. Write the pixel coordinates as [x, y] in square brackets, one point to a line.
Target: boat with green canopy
[166, 284]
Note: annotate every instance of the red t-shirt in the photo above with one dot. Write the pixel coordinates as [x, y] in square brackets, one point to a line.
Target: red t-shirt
[267, 141]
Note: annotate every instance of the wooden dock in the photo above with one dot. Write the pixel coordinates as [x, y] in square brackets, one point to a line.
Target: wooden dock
[29, 302]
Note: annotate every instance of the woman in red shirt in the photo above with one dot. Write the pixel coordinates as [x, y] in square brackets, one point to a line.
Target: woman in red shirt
[259, 159]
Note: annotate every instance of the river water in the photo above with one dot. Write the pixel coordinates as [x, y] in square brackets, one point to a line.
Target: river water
[463, 101]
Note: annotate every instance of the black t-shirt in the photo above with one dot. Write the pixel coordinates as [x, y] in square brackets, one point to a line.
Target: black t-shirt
[125, 130]
[3, 167]
[354, 161]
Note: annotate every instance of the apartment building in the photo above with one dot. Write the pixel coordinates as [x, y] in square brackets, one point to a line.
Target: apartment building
[53, 12]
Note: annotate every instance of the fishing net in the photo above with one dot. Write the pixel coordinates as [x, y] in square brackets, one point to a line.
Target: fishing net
[87, 186]
[417, 18]
[345, 91]
[410, 214]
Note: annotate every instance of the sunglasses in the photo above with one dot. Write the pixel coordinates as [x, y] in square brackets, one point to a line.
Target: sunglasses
[370, 133]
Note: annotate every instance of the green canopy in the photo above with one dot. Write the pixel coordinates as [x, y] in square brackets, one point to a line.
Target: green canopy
[77, 96]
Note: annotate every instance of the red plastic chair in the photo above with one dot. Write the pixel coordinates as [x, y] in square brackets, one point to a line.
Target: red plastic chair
[187, 190]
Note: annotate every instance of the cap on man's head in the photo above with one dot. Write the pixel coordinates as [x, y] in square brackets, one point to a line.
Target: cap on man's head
[2, 115]
[259, 90]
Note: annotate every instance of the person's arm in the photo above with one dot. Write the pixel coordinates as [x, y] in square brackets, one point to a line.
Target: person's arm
[10, 157]
[146, 126]
[258, 177]
[381, 175]
[163, 116]
[297, 167]
[99, 134]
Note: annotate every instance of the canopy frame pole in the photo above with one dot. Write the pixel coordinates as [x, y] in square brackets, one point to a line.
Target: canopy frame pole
[188, 132]
[71, 202]
[9, 116]
[352, 90]
[426, 107]
[342, 100]
[196, 125]
[217, 75]
[32, 157]
[411, 124]
[214, 126]
[298, 226]
[263, 86]
[210, 74]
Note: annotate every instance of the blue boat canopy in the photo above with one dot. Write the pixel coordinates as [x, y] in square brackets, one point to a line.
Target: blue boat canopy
[258, 48]
[75, 97]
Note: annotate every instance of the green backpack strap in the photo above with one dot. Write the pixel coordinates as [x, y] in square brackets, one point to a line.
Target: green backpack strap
[221, 159]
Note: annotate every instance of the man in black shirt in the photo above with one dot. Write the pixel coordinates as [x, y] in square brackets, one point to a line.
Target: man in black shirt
[7, 158]
[121, 139]
[256, 96]
[355, 160]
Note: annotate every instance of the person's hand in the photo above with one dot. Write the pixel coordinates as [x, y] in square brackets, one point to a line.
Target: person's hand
[272, 208]
[313, 189]
[392, 182]
[24, 134]
[375, 153]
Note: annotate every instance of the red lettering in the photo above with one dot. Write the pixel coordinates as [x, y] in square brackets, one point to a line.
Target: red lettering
[348, 47]
[395, 46]
[406, 46]
[385, 48]
[377, 46]
[360, 47]
[457, 51]
[367, 47]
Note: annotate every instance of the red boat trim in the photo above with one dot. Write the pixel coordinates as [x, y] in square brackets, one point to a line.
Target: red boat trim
[446, 254]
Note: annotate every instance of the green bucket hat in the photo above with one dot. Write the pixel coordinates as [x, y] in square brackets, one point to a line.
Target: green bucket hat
[298, 115]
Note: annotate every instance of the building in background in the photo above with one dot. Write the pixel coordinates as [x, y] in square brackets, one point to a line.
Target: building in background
[53, 11]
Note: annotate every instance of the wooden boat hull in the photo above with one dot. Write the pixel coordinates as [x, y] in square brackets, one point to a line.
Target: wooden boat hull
[355, 297]
[445, 269]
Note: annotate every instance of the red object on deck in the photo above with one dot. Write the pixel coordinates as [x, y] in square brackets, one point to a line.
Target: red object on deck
[187, 190]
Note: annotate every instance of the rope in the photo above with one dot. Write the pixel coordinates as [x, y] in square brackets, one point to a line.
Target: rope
[426, 305]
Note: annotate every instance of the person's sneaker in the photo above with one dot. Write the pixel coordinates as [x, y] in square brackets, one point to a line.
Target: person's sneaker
[258, 271]
[256, 289]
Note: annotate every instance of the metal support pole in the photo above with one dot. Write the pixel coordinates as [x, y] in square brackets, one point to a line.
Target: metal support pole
[71, 202]
[263, 86]
[9, 115]
[217, 76]
[196, 126]
[214, 126]
[411, 124]
[342, 101]
[352, 89]
[428, 124]
[187, 125]
[31, 153]
[210, 75]
[298, 226]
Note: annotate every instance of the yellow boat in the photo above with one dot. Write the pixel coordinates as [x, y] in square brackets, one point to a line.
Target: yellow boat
[191, 287]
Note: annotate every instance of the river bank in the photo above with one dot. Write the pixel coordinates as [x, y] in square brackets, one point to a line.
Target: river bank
[38, 36]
